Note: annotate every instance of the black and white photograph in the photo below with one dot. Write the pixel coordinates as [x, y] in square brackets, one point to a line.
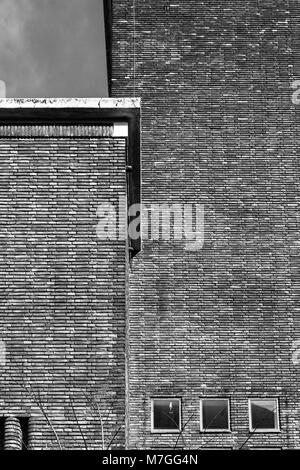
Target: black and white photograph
[149, 229]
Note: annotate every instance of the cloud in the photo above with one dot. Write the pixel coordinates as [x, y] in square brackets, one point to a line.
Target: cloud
[2, 89]
[52, 48]
[14, 16]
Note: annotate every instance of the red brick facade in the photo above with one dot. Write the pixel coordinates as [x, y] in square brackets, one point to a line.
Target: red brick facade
[219, 129]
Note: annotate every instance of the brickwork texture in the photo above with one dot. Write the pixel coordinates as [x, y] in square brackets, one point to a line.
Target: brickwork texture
[62, 289]
[218, 128]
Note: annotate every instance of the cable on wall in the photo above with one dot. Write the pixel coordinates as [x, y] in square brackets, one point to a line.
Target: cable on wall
[134, 47]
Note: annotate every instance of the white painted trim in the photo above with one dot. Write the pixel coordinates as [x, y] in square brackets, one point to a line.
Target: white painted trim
[202, 429]
[265, 448]
[69, 103]
[120, 129]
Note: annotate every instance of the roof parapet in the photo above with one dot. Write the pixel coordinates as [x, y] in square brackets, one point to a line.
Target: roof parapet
[70, 103]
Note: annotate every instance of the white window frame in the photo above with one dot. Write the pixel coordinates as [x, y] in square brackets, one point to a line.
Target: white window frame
[201, 415]
[264, 448]
[276, 411]
[165, 431]
[217, 448]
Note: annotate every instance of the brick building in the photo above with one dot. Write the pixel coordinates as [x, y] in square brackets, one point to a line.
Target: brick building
[162, 346]
[212, 333]
[62, 295]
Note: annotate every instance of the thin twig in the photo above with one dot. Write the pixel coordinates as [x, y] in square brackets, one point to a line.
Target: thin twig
[39, 403]
[101, 424]
[94, 406]
[181, 432]
[113, 438]
[78, 424]
[252, 433]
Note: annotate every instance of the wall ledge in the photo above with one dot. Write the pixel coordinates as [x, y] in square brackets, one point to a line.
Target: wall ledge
[70, 103]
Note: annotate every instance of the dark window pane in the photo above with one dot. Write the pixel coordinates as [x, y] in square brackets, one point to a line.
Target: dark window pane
[215, 414]
[263, 414]
[24, 422]
[166, 414]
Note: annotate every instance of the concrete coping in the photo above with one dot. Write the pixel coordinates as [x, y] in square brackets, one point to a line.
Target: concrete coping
[70, 103]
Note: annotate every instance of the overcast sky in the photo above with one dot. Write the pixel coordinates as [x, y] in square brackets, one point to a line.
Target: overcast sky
[52, 48]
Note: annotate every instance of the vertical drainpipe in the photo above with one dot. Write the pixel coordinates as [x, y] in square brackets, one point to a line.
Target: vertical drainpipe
[127, 348]
[120, 130]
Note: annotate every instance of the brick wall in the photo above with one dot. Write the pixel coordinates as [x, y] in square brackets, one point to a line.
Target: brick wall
[62, 290]
[219, 129]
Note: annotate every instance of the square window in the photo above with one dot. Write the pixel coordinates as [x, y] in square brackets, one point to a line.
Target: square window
[214, 415]
[166, 415]
[264, 415]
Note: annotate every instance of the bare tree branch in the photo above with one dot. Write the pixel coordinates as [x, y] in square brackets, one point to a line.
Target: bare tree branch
[251, 434]
[113, 438]
[182, 430]
[101, 424]
[41, 407]
[78, 424]
[38, 402]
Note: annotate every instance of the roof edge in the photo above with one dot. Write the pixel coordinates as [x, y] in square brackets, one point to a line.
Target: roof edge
[70, 103]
